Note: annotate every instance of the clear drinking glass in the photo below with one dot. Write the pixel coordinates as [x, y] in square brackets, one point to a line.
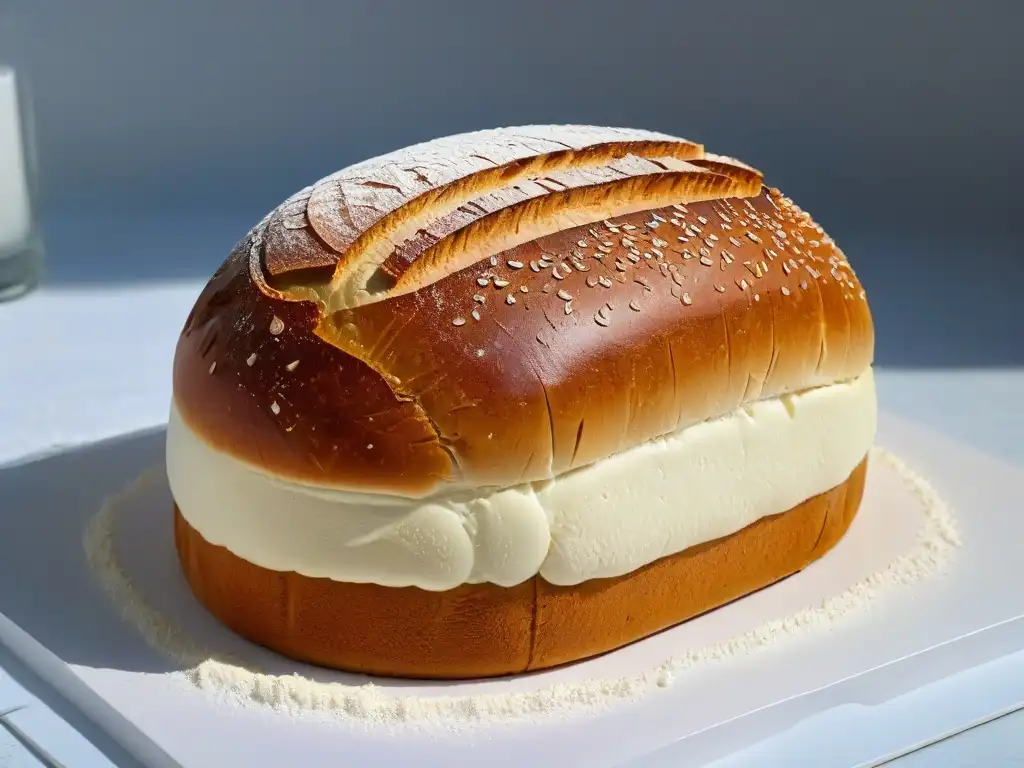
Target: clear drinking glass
[21, 244]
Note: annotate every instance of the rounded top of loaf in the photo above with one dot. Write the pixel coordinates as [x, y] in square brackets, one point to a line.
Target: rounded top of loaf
[503, 306]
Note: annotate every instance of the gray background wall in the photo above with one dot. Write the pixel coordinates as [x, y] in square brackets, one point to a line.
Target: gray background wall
[897, 123]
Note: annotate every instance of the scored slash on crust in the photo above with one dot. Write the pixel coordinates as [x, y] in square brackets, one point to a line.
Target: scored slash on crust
[381, 225]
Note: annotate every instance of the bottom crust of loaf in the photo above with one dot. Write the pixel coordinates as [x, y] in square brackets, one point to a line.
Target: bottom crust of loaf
[482, 630]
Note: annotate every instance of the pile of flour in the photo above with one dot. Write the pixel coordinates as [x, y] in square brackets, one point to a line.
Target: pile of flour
[234, 678]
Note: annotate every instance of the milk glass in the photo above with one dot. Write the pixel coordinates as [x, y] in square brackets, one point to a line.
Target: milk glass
[21, 247]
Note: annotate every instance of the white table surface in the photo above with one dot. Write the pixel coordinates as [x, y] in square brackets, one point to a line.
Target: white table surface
[80, 364]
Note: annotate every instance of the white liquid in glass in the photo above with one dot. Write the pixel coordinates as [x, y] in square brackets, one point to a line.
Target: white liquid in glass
[15, 204]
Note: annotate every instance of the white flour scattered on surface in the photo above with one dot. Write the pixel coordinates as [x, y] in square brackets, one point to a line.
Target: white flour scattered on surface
[233, 677]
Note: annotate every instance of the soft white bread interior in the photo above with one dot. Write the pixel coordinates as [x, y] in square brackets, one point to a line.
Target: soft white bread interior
[604, 520]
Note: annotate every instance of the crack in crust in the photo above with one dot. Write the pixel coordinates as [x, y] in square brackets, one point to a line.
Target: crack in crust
[349, 346]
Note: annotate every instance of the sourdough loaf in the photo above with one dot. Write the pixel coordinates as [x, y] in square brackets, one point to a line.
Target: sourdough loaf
[510, 399]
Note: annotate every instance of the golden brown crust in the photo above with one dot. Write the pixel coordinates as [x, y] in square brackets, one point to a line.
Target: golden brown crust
[484, 630]
[562, 350]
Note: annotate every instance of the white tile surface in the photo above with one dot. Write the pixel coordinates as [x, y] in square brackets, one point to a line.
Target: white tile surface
[78, 366]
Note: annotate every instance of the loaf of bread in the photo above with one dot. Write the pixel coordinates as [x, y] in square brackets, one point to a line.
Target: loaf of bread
[510, 399]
